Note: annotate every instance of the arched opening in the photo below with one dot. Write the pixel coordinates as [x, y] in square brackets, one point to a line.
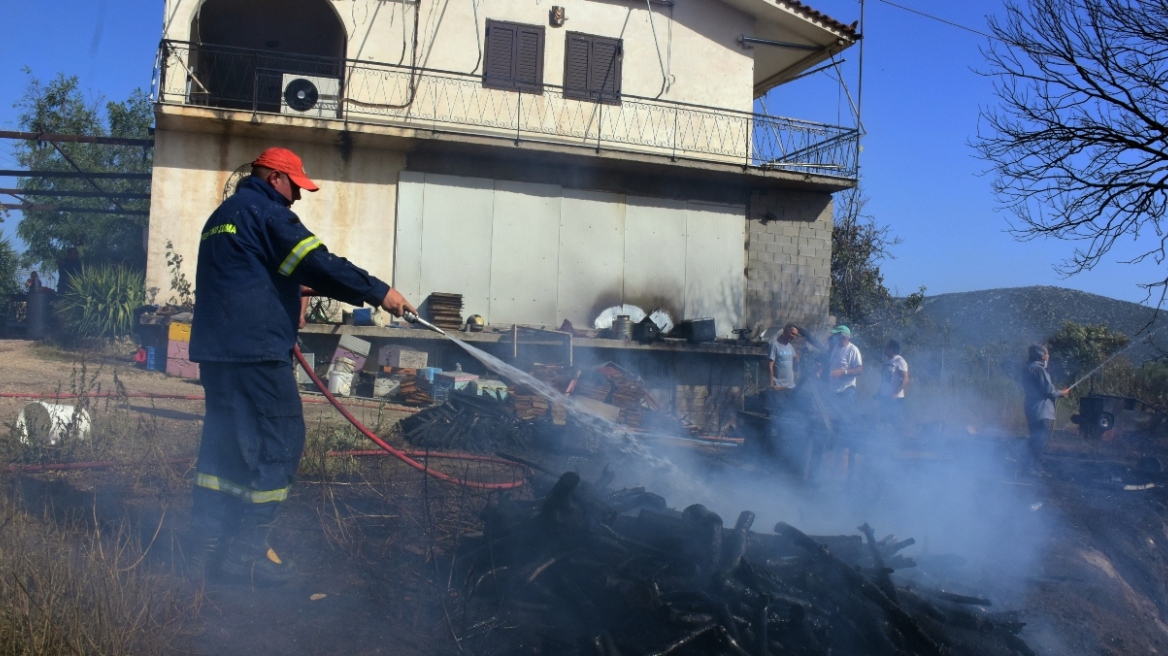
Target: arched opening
[244, 50]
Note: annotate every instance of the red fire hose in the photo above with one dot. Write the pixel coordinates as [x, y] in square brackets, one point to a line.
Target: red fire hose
[110, 464]
[174, 397]
[406, 456]
[403, 455]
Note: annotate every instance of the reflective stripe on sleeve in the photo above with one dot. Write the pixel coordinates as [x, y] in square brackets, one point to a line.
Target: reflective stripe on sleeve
[247, 494]
[306, 246]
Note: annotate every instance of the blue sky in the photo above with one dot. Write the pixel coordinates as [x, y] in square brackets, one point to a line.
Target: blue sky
[921, 101]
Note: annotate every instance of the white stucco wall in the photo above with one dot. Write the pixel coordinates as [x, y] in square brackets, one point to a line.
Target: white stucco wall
[532, 253]
[353, 212]
[703, 62]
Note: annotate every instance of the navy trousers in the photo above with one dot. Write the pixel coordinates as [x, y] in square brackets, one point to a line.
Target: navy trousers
[1040, 430]
[253, 437]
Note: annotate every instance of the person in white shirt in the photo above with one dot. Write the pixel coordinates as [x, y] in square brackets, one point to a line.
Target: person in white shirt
[844, 365]
[893, 381]
[782, 359]
[781, 367]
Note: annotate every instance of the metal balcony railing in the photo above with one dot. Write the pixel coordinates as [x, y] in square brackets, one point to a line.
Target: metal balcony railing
[233, 78]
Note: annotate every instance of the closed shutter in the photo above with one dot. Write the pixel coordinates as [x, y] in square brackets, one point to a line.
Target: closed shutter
[604, 69]
[592, 68]
[529, 59]
[576, 54]
[499, 54]
[513, 57]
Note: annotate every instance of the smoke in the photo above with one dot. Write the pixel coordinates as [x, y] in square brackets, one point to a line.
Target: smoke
[952, 486]
[954, 489]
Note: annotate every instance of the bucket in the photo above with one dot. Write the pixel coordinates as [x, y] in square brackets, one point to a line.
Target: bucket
[49, 423]
[622, 327]
[369, 317]
[344, 365]
[340, 382]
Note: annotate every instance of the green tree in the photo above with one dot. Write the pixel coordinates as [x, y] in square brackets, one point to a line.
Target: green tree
[1079, 348]
[858, 294]
[9, 264]
[60, 107]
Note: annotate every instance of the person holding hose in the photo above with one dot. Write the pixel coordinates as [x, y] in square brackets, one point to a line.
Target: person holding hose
[254, 258]
[1039, 397]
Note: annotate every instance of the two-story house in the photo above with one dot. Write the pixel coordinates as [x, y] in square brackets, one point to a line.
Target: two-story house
[544, 160]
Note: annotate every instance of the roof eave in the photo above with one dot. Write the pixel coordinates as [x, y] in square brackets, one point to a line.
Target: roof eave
[794, 70]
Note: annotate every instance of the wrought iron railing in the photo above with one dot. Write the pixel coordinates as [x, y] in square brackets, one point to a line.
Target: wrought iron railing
[233, 78]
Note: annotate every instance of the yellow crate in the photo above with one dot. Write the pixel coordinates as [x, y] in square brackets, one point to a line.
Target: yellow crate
[180, 332]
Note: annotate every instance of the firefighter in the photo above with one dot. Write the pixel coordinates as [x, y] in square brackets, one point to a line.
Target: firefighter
[254, 257]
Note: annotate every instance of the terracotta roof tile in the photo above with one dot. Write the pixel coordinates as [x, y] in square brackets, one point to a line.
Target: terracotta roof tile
[816, 15]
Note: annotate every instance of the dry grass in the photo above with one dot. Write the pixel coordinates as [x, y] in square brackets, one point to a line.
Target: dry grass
[69, 589]
[73, 582]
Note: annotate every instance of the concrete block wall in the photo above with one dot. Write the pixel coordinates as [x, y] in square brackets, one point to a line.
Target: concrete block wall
[788, 258]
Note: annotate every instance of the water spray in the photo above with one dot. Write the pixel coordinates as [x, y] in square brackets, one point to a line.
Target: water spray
[1103, 364]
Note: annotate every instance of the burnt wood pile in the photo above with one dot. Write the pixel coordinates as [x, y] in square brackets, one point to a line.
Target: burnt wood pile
[591, 571]
[469, 422]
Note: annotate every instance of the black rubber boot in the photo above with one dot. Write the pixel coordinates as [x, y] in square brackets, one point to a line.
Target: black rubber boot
[203, 548]
[250, 558]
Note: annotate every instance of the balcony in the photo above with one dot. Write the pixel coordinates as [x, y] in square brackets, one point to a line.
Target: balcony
[457, 103]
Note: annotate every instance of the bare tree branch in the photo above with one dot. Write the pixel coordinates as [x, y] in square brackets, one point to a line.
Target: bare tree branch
[1079, 142]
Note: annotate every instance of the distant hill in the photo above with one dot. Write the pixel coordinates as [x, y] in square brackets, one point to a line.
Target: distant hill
[1025, 315]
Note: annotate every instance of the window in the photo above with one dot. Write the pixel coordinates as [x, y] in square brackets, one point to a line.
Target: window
[514, 57]
[592, 68]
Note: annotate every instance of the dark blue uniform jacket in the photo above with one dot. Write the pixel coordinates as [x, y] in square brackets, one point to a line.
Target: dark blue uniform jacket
[254, 255]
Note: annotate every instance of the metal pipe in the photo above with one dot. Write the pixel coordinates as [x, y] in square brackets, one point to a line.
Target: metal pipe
[414, 318]
[744, 40]
[74, 138]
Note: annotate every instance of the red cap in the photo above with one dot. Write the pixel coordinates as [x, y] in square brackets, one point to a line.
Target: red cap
[286, 161]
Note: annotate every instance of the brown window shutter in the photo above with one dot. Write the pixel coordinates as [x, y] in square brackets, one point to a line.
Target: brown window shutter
[604, 69]
[592, 68]
[529, 59]
[513, 57]
[500, 55]
[576, 54]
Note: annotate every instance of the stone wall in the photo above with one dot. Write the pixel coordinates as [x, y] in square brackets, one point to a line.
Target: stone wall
[788, 258]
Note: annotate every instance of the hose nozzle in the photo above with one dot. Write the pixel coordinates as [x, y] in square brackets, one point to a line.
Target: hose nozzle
[412, 317]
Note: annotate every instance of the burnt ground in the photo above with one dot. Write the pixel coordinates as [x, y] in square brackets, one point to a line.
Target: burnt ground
[376, 538]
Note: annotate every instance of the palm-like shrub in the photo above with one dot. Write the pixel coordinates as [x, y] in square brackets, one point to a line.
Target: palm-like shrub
[100, 302]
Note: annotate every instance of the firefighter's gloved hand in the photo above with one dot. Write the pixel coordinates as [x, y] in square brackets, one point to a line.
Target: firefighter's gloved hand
[396, 304]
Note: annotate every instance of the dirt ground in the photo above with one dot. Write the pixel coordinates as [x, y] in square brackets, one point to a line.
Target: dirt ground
[375, 538]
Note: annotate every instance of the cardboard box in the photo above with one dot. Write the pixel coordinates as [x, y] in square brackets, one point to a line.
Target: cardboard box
[354, 348]
[393, 355]
[179, 332]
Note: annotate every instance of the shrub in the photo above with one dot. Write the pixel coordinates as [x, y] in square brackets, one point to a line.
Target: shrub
[9, 263]
[101, 302]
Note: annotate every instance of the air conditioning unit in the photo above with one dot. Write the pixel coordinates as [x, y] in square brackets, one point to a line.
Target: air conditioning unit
[305, 95]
